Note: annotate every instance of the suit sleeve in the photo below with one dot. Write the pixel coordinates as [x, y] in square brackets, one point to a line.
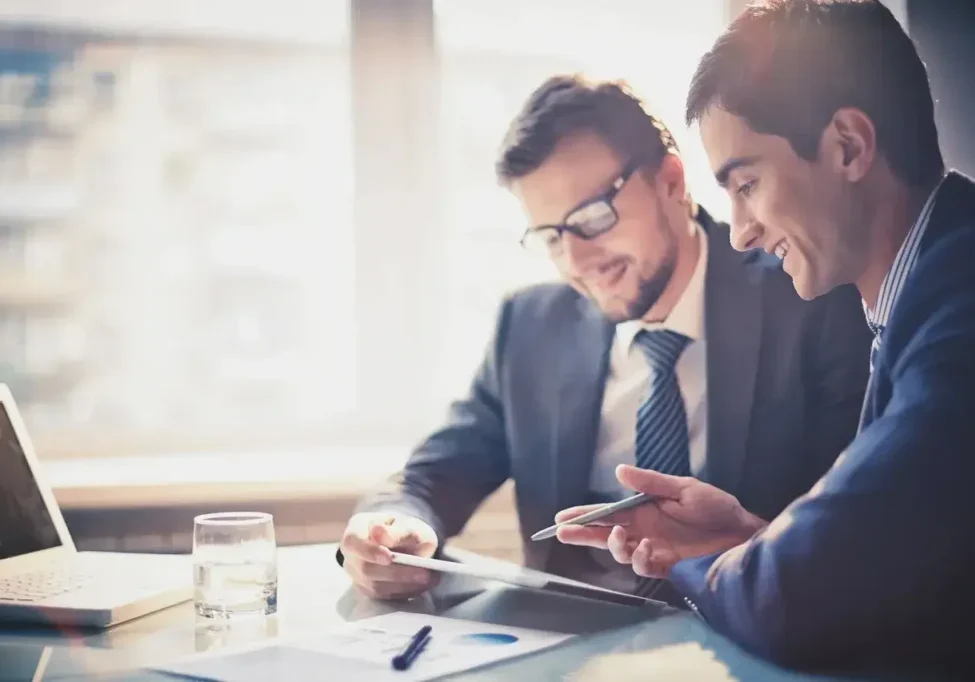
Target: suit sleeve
[836, 375]
[462, 462]
[874, 564]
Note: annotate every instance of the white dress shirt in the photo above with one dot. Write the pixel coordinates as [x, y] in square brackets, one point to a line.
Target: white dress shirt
[628, 382]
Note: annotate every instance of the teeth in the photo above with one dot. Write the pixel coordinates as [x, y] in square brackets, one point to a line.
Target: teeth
[781, 250]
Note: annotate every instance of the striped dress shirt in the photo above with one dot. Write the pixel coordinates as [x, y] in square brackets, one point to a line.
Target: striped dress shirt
[893, 283]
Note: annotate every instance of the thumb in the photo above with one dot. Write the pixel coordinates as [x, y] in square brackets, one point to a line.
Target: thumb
[394, 535]
[650, 482]
[383, 534]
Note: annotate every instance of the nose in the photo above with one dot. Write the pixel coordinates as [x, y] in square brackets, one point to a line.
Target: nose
[746, 232]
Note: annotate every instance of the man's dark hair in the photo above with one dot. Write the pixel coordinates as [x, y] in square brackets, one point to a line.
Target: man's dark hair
[568, 104]
[787, 66]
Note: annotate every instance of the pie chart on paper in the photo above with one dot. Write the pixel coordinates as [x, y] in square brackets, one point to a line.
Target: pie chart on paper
[486, 639]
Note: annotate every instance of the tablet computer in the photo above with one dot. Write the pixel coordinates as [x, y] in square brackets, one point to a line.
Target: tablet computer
[525, 577]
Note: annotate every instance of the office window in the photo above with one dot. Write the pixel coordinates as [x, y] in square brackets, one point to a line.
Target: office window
[176, 228]
[231, 226]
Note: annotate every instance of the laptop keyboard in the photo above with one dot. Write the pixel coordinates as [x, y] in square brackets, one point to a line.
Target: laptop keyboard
[30, 587]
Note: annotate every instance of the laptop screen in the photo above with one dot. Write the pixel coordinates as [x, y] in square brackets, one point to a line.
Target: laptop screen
[25, 523]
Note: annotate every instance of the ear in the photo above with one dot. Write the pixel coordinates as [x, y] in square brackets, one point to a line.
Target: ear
[850, 143]
[669, 178]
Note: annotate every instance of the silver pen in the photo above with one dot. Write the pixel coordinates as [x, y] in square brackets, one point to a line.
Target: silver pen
[595, 515]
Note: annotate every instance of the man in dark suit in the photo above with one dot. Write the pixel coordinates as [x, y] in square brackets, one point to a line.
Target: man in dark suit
[665, 348]
[844, 178]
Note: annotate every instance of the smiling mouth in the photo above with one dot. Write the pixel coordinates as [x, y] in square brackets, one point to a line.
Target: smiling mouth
[609, 274]
[781, 250]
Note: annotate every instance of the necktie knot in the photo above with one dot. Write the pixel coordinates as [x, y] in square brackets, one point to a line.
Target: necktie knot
[878, 332]
[662, 347]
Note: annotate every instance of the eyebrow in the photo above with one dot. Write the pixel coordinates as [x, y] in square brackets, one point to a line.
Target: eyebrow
[721, 175]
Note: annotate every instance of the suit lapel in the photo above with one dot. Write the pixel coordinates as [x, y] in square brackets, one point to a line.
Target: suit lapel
[733, 319]
[583, 367]
[867, 408]
[954, 203]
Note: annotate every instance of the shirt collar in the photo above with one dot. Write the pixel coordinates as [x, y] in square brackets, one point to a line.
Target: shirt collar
[687, 316]
[903, 263]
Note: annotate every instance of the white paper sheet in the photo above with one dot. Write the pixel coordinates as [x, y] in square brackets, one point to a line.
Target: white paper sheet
[366, 647]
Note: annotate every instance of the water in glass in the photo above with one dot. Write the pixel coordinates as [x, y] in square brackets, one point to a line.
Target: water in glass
[234, 564]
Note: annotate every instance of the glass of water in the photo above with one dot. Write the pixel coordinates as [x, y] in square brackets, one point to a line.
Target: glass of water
[235, 568]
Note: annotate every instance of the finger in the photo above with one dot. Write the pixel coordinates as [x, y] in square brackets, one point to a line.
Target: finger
[395, 574]
[651, 482]
[584, 536]
[620, 518]
[355, 545]
[650, 568]
[384, 590]
[642, 560]
[360, 582]
[620, 545]
[399, 539]
[653, 562]
[379, 588]
[664, 560]
[573, 512]
[392, 535]
[407, 534]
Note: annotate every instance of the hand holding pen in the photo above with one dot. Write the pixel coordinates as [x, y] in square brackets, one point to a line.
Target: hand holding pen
[678, 518]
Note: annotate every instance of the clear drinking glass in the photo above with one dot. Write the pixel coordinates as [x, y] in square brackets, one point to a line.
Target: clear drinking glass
[235, 568]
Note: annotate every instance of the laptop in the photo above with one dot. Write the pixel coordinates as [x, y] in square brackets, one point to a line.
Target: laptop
[43, 578]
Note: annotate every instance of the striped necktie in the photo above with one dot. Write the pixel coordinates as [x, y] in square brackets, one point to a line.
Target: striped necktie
[662, 439]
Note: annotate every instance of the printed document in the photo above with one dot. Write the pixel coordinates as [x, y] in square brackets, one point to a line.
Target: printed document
[366, 648]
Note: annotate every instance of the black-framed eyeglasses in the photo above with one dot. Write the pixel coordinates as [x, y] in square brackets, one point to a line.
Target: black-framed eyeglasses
[588, 220]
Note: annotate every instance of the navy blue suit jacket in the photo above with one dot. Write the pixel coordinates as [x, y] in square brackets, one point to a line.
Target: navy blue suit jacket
[785, 382]
[875, 566]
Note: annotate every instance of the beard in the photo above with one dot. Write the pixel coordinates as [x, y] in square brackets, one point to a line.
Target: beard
[653, 283]
[651, 288]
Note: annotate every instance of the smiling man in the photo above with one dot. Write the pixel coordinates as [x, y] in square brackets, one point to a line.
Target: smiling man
[663, 348]
[817, 117]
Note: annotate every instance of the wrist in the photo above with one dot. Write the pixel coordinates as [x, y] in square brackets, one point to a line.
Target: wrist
[749, 524]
